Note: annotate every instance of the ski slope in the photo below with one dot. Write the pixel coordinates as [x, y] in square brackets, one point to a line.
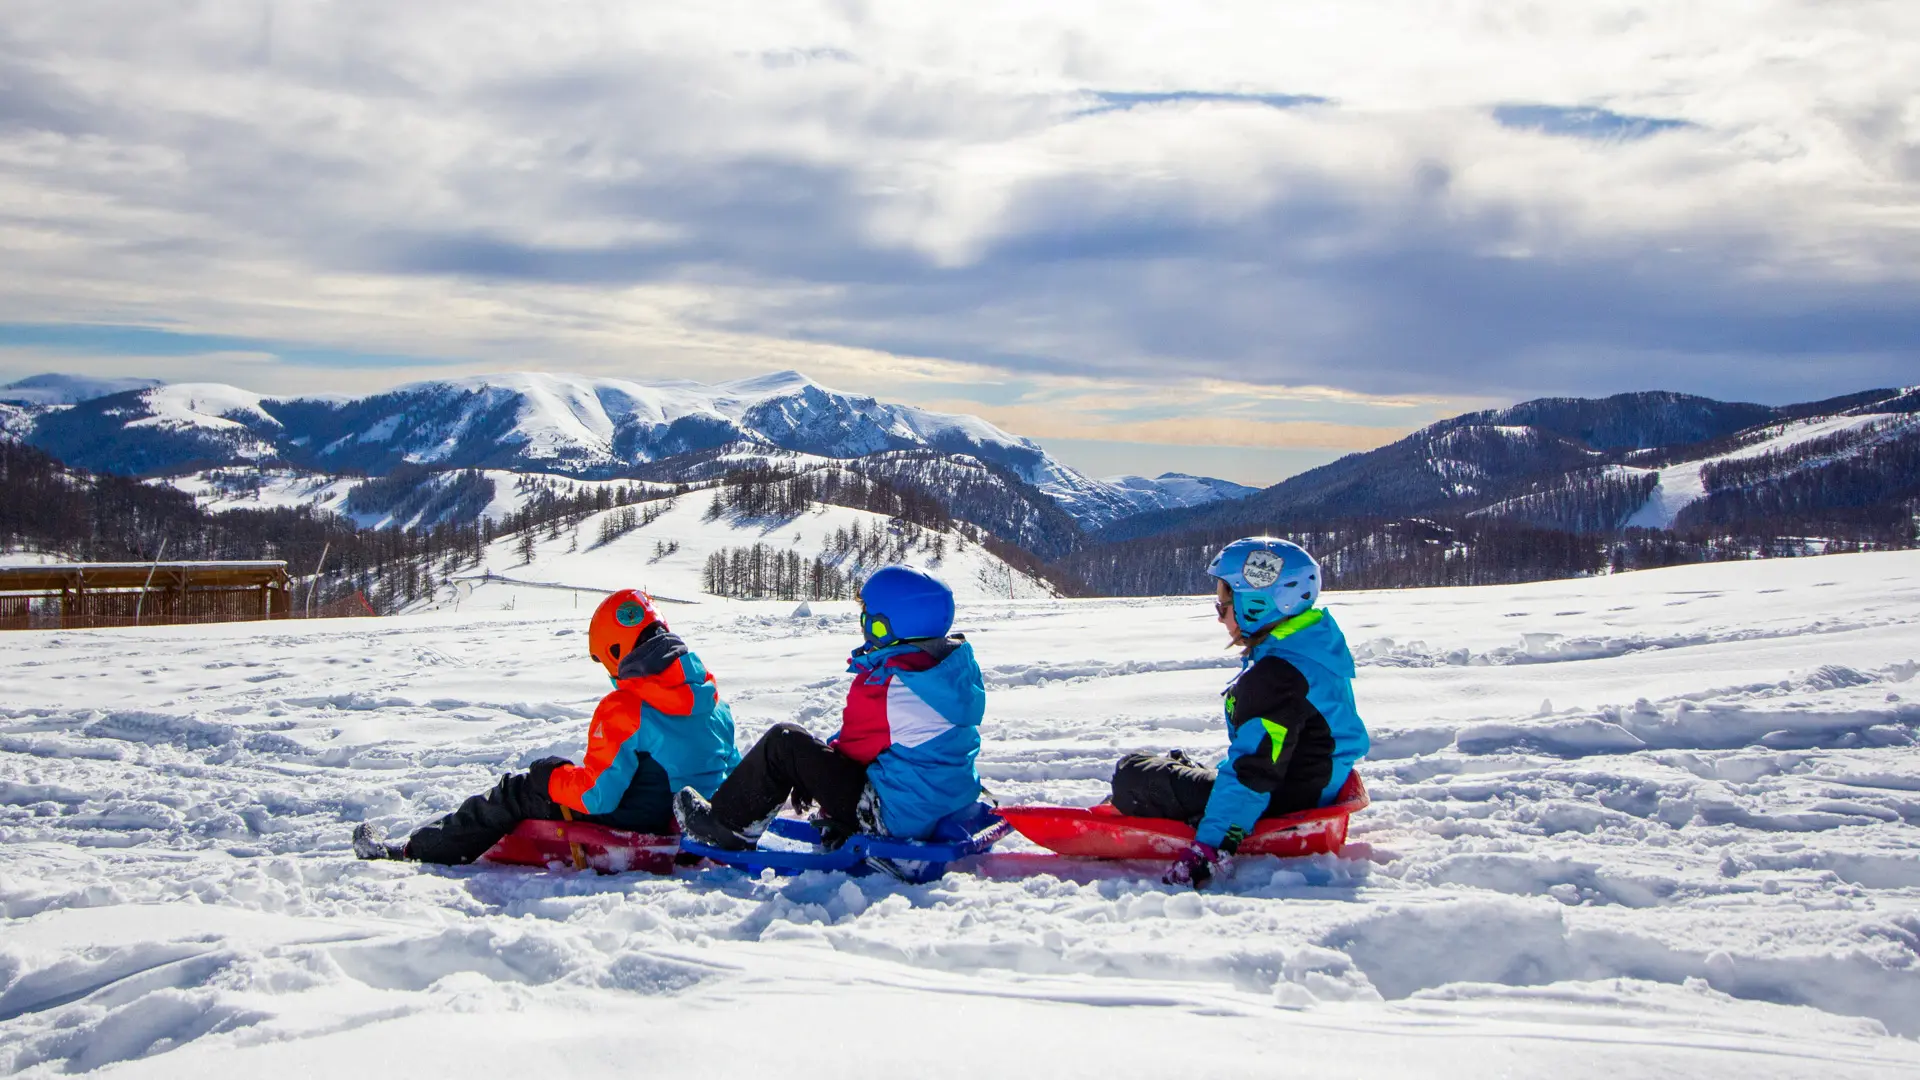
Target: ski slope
[584, 569]
[1681, 485]
[1654, 824]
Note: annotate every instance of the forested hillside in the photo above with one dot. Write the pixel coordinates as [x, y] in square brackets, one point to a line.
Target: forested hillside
[1561, 487]
[1545, 489]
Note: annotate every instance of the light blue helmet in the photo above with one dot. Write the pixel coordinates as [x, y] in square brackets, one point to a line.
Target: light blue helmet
[1271, 579]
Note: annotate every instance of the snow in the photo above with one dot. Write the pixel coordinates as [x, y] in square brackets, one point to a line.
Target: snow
[220, 490]
[202, 405]
[227, 413]
[1681, 484]
[566, 416]
[1659, 823]
[576, 559]
[10, 558]
[248, 488]
[16, 422]
[1169, 490]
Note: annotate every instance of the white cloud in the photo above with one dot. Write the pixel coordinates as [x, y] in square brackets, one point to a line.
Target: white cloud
[879, 191]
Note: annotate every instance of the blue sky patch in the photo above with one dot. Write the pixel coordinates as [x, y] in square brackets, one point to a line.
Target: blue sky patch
[1116, 100]
[113, 340]
[1582, 122]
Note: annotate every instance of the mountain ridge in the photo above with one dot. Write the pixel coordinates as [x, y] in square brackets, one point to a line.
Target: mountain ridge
[1476, 460]
[581, 426]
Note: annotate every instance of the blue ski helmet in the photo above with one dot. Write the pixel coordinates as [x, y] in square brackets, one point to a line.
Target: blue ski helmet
[899, 603]
[1271, 579]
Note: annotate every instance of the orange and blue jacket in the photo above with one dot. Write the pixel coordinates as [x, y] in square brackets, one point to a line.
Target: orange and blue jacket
[664, 705]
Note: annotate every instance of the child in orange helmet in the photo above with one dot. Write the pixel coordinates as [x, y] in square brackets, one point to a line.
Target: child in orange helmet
[662, 728]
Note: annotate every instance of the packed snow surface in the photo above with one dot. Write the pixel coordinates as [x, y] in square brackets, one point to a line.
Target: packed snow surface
[1655, 824]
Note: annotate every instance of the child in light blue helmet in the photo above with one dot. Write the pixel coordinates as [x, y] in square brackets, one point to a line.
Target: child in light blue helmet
[1293, 731]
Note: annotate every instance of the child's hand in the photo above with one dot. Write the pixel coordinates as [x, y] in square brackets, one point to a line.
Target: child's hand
[1195, 866]
[542, 771]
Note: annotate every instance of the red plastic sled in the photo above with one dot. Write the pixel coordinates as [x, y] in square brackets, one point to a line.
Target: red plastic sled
[1101, 832]
[610, 851]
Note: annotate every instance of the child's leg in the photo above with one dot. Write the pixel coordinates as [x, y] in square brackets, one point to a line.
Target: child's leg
[785, 763]
[480, 822]
[1158, 785]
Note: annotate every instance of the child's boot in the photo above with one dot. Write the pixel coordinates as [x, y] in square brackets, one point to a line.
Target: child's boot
[696, 818]
[367, 844]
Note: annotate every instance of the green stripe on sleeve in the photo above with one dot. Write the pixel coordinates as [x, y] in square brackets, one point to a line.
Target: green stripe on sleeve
[1276, 732]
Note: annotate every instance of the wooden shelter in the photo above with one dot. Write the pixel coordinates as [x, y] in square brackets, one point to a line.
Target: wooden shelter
[71, 596]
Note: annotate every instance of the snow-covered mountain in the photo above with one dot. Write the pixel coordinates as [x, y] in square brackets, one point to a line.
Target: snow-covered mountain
[1173, 490]
[593, 427]
[589, 428]
[55, 389]
[1570, 463]
[420, 501]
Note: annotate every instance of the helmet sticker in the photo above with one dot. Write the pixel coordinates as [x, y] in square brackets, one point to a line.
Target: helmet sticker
[630, 614]
[1262, 569]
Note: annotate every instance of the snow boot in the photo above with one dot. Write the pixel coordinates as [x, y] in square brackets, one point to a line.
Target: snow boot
[367, 844]
[695, 815]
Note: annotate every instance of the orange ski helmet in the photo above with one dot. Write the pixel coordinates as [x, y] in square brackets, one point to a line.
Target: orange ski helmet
[617, 625]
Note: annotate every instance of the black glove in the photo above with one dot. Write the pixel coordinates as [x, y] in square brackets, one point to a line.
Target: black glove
[541, 772]
[833, 835]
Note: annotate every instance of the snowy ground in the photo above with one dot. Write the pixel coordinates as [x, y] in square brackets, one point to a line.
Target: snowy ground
[1663, 822]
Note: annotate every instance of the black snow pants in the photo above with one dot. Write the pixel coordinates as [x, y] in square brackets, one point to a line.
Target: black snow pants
[788, 764]
[1172, 786]
[480, 822]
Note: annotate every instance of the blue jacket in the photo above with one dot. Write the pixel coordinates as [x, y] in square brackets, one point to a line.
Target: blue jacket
[913, 713]
[1294, 732]
[664, 706]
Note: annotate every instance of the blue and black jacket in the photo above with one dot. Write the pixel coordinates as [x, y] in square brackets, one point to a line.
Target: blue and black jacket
[1294, 731]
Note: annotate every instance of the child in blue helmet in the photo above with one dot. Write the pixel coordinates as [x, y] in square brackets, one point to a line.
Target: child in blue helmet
[1294, 732]
[904, 755]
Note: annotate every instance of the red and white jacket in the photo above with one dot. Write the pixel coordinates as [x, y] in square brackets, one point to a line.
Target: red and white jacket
[913, 718]
[882, 710]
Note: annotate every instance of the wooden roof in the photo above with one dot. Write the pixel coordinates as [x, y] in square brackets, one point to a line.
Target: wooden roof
[57, 576]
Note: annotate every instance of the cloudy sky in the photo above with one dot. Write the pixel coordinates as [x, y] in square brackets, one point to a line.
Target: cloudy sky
[1236, 238]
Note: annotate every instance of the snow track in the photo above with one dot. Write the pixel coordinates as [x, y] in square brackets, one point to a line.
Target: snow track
[1667, 821]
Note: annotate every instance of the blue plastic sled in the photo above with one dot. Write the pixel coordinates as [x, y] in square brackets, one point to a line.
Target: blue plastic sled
[958, 835]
